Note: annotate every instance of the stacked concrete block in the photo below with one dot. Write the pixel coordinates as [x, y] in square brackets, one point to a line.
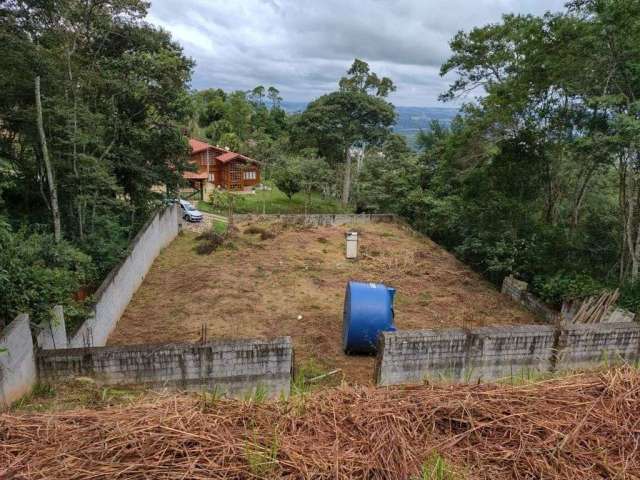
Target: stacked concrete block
[508, 352]
[518, 291]
[413, 356]
[585, 346]
[486, 353]
[235, 367]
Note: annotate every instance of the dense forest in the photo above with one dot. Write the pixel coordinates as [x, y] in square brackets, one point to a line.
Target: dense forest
[538, 176]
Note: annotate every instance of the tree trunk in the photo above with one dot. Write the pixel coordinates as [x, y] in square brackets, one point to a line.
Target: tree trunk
[53, 193]
[346, 186]
[579, 197]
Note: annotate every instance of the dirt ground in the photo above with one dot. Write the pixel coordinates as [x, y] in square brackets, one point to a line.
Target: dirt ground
[259, 288]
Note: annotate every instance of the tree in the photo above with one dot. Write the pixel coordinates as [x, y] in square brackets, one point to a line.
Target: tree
[274, 96]
[257, 95]
[390, 179]
[337, 121]
[360, 79]
[286, 176]
[91, 113]
[314, 173]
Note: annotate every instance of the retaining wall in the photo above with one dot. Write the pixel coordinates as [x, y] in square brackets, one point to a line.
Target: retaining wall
[491, 353]
[235, 367]
[17, 361]
[518, 291]
[122, 282]
[320, 219]
[463, 355]
[582, 346]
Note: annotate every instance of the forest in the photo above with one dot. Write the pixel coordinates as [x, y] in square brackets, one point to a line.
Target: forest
[538, 176]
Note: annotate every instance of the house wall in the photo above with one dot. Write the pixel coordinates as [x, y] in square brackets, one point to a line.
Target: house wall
[17, 361]
[221, 171]
[235, 367]
[115, 292]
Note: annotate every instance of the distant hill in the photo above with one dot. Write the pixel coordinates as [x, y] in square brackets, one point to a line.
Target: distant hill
[410, 119]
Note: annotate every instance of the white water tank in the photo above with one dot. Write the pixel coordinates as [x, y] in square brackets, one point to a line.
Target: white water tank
[352, 245]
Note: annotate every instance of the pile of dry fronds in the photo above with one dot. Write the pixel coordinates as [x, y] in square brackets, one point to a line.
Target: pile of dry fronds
[582, 427]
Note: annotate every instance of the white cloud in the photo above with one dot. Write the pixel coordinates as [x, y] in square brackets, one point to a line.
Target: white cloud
[302, 47]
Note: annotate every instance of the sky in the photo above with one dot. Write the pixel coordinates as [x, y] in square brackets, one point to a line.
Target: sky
[302, 47]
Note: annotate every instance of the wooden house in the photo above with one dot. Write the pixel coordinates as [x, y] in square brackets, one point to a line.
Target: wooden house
[222, 168]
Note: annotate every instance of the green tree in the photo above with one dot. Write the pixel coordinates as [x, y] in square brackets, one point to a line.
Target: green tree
[91, 113]
[335, 122]
[286, 176]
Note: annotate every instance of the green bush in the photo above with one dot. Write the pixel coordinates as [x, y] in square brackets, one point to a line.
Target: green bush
[36, 273]
[221, 200]
[565, 286]
[630, 296]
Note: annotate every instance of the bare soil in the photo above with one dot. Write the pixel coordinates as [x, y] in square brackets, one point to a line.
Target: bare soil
[259, 288]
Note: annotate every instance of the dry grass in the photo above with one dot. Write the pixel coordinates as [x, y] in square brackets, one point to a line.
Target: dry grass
[258, 288]
[581, 427]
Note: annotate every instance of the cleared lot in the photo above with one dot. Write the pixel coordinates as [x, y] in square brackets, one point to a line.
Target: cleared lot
[260, 288]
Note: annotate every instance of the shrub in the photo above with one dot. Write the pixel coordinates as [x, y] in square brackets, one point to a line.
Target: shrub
[209, 242]
[630, 296]
[37, 273]
[565, 286]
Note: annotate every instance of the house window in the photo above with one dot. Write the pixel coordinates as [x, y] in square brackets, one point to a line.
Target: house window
[211, 177]
[249, 175]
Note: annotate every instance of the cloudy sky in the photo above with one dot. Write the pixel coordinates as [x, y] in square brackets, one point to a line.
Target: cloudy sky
[302, 47]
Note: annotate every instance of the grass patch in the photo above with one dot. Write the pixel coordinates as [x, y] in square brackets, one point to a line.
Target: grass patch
[262, 460]
[436, 467]
[303, 379]
[220, 227]
[275, 202]
[78, 393]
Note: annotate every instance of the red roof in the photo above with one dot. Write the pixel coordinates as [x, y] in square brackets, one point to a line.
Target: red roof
[225, 157]
[220, 154]
[197, 146]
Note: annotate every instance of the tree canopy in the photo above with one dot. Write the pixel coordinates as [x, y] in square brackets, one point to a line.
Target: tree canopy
[93, 103]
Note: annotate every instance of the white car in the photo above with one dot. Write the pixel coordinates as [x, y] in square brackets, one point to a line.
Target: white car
[189, 212]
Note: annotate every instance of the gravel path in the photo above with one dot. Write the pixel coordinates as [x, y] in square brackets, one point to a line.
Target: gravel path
[207, 221]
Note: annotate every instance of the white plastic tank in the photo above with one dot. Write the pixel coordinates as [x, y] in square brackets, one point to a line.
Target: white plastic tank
[352, 245]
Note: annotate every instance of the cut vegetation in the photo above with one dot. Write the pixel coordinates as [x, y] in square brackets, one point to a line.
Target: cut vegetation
[270, 280]
[579, 427]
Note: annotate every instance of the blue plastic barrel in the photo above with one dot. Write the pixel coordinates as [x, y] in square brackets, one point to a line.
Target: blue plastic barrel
[368, 310]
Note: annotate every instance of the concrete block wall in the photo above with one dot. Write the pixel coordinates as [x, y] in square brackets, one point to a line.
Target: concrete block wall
[583, 346]
[491, 353]
[53, 334]
[518, 291]
[463, 355]
[115, 292]
[320, 219]
[17, 361]
[235, 367]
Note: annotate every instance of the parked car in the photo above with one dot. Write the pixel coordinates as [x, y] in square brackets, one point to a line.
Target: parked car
[189, 212]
